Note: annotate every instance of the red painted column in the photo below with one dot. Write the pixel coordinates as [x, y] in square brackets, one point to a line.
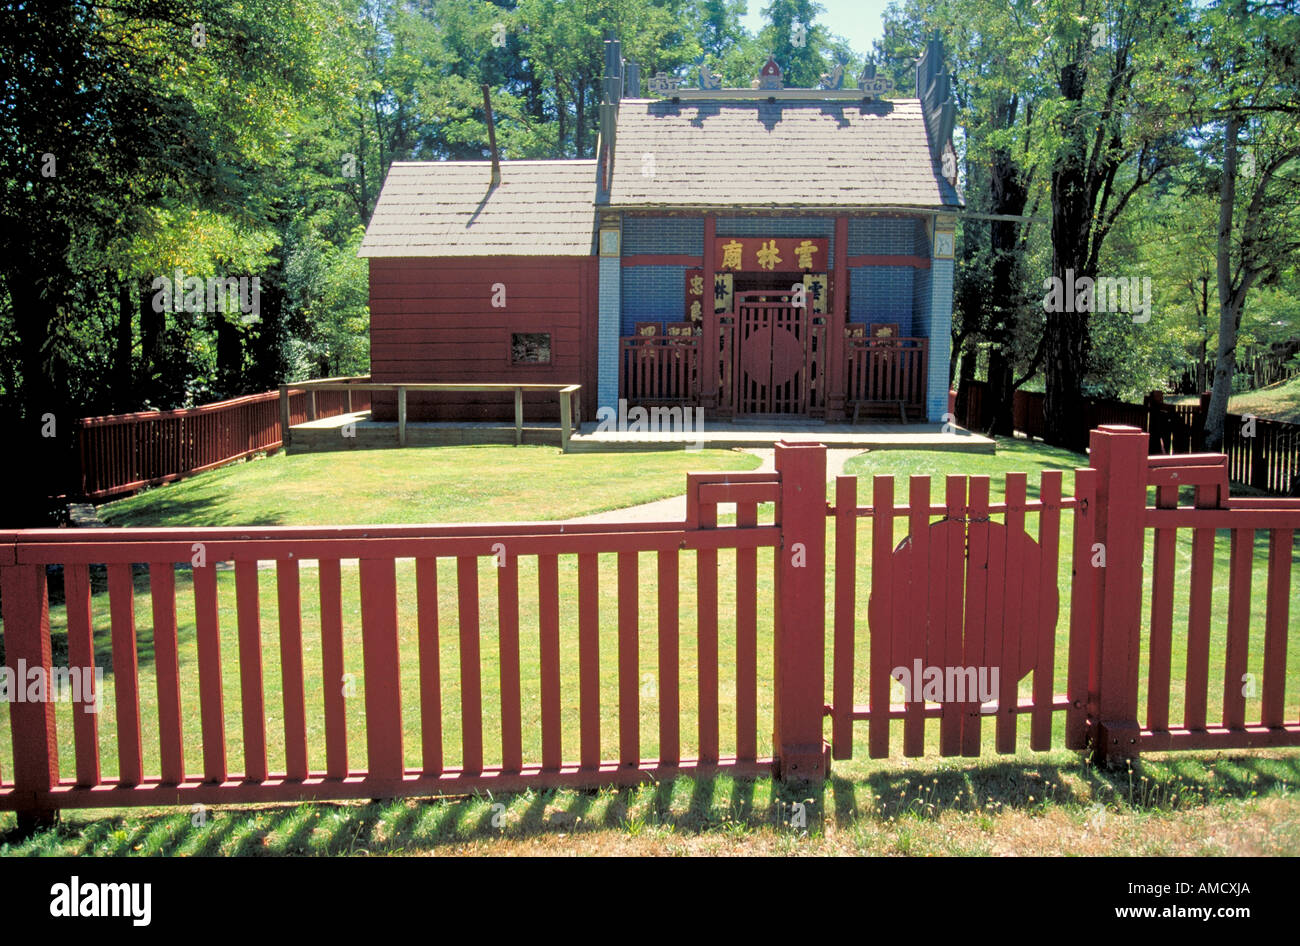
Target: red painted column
[838, 320]
[27, 647]
[800, 673]
[709, 363]
[1119, 454]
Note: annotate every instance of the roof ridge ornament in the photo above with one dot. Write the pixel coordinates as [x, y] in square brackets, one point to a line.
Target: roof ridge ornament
[662, 83]
[710, 81]
[871, 85]
[834, 79]
[770, 76]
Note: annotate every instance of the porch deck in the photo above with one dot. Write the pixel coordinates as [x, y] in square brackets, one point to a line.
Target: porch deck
[327, 434]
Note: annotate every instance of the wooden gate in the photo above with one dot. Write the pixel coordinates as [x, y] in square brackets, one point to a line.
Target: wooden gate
[966, 607]
[773, 371]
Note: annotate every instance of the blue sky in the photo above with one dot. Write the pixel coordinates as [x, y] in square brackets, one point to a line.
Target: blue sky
[858, 21]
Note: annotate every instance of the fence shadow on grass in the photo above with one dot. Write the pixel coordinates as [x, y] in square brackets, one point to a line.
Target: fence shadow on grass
[730, 808]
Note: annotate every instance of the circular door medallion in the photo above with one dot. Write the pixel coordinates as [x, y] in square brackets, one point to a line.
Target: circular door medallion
[787, 355]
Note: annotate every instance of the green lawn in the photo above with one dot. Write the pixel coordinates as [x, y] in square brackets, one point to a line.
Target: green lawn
[1013, 456]
[537, 477]
[1279, 401]
[1276, 402]
[426, 484]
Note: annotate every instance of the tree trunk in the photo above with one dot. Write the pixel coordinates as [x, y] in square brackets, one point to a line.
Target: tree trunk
[1066, 343]
[966, 376]
[1229, 316]
[124, 395]
[152, 326]
[580, 126]
[1001, 392]
[42, 406]
[1009, 195]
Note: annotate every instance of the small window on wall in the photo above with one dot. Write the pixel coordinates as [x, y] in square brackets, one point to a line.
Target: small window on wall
[530, 348]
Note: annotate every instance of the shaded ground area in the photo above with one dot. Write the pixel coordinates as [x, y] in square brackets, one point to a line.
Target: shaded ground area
[1052, 804]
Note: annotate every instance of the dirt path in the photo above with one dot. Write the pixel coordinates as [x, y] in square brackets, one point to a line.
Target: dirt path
[673, 509]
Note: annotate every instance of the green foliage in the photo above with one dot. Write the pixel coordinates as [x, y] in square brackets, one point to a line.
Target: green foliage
[261, 151]
[327, 288]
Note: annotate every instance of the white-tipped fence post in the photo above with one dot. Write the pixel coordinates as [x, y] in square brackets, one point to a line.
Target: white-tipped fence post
[566, 418]
[519, 416]
[284, 417]
[401, 416]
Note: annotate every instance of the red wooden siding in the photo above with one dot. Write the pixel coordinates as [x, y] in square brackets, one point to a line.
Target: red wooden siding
[432, 320]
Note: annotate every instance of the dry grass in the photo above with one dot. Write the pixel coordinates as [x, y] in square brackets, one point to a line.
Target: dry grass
[1053, 804]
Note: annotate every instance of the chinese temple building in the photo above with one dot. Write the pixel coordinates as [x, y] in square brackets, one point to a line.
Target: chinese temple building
[761, 251]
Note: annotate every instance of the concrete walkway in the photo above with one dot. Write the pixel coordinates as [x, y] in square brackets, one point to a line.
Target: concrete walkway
[673, 509]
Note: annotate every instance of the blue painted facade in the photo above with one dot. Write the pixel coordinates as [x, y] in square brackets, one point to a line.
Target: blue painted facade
[919, 300]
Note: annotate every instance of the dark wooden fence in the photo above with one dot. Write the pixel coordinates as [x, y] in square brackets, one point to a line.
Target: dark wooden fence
[1264, 454]
[121, 453]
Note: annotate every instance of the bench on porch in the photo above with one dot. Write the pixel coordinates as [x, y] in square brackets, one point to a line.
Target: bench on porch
[882, 408]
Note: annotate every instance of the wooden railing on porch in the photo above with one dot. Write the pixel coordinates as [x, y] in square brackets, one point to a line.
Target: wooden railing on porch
[654, 369]
[568, 394]
[880, 377]
[121, 453]
[888, 375]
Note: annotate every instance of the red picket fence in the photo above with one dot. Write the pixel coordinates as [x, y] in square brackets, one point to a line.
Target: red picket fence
[121, 453]
[968, 586]
[37, 784]
[961, 592]
[1207, 475]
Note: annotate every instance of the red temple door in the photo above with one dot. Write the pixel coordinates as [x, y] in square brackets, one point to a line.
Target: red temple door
[772, 371]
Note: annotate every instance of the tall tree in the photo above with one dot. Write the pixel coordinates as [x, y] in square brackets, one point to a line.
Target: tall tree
[100, 111]
[1109, 142]
[1249, 50]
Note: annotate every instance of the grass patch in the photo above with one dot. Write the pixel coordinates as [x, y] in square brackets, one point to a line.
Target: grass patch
[1049, 804]
[1280, 401]
[487, 483]
[1013, 456]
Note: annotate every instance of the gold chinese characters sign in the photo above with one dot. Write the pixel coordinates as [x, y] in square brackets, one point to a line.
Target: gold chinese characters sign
[816, 292]
[695, 295]
[770, 254]
[816, 289]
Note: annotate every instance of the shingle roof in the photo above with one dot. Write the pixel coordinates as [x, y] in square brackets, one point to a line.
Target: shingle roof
[444, 208]
[754, 154]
